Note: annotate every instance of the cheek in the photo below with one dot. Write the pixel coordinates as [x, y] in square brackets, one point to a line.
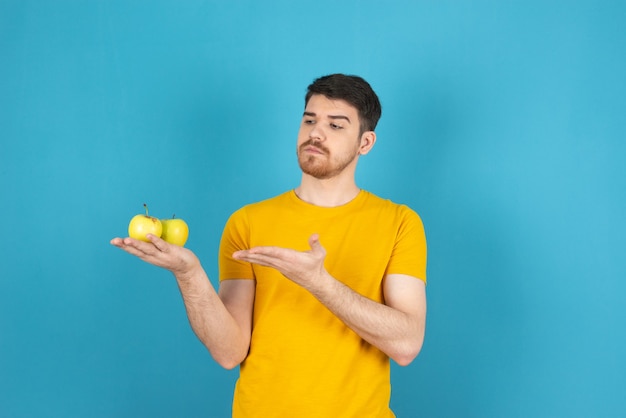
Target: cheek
[302, 137]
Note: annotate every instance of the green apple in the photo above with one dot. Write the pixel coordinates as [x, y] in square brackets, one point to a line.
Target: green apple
[142, 225]
[175, 231]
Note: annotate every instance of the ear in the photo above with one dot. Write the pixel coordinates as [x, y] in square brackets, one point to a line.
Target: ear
[368, 139]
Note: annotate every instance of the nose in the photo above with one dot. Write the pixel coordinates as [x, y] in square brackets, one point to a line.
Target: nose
[317, 133]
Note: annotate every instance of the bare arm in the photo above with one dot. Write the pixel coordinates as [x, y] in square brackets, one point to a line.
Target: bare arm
[223, 322]
[395, 327]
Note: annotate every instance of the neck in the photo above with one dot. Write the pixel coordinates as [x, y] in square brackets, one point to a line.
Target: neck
[327, 192]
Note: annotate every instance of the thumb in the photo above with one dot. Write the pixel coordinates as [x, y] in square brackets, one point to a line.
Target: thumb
[314, 242]
[159, 243]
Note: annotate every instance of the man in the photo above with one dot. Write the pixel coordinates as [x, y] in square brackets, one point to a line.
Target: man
[319, 286]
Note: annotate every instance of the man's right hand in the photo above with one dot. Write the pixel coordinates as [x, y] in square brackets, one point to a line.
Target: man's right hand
[179, 260]
[223, 322]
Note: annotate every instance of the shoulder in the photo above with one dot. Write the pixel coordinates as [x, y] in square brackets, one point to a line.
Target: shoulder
[262, 206]
[267, 204]
[399, 209]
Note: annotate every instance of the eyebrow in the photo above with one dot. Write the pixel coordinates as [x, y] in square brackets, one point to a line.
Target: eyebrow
[329, 116]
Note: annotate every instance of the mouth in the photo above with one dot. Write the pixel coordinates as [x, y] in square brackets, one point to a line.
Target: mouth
[312, 149]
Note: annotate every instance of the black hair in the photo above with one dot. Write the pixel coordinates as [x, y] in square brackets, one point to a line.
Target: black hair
[352, 89]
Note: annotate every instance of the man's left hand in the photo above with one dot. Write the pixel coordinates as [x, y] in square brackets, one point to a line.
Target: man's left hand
[305, 268]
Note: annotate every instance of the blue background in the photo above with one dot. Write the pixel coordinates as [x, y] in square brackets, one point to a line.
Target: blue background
[503, 126]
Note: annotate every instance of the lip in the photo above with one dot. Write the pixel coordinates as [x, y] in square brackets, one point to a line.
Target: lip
[313, 150]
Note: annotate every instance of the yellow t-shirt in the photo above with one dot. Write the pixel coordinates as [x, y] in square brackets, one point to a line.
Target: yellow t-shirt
[303, 361]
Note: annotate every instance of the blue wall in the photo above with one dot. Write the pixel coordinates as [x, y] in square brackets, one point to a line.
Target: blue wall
[503, 126]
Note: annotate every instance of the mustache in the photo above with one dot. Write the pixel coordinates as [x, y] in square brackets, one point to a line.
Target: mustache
[314, 144]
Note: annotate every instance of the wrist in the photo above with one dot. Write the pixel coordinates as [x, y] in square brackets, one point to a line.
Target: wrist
[188, 273]
[323, 285]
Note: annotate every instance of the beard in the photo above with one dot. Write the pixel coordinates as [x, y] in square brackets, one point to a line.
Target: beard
[323, 166]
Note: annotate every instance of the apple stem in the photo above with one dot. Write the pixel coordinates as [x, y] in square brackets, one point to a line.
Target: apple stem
[146, 206]
[173, 216]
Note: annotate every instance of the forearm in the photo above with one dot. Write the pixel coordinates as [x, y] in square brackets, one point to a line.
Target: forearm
[395, 327]
[211, 321]
[397, 333]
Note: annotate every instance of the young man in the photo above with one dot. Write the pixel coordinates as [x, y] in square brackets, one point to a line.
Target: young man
[319, 286]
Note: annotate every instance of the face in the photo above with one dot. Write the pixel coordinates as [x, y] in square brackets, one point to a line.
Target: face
[329, 139]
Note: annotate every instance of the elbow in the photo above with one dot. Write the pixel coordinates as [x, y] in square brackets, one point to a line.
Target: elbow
[405, 359]
[408, 353]
[228, 363]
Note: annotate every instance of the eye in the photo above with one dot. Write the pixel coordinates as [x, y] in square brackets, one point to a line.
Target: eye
[308, 121]
[335, 126]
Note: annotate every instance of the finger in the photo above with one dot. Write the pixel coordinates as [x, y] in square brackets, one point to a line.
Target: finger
[134, 251]
[138, 247]
[238, 255]
[268, 251]
[160, 244]
[260, 259]
[123, 243]
[128, 241]
[245, 255]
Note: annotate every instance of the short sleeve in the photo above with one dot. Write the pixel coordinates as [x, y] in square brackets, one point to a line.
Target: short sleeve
[236, 236]
[409, 251]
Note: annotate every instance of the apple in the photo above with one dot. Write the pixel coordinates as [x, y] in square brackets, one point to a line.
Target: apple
[142, 225]
[175, 231]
